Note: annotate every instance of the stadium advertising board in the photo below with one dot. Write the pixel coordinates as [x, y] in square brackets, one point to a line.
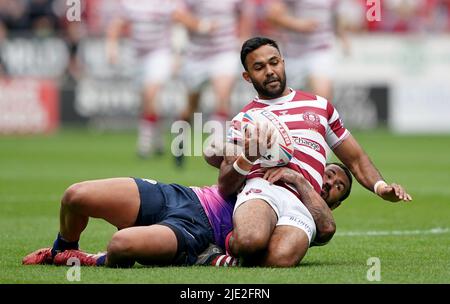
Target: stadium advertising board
[28, 106]
[415, 71]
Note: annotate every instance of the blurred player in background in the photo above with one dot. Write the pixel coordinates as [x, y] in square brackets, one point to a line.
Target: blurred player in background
[150, 25]
[307, 31]
[261, 26]
[215, 31]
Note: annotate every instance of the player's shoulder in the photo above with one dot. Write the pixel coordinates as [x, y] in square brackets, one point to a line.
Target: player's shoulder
[254, 104]
[302, 95]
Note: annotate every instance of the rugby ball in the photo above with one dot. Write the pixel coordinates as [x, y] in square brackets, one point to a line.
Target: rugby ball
[282, 150]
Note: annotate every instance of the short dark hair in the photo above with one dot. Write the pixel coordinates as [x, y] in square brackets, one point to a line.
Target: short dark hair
[349, 176]
[255, 43]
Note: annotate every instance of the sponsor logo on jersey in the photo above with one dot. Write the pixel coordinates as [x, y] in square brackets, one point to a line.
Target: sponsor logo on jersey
[253, 190]
[301, 223]
[312, 120]
[307, 143]
[284, 133]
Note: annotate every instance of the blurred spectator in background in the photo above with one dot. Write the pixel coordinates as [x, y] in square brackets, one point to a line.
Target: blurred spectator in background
[307, 32]
[43, 19]
[437, 16]
[149, 23]
[398, 16]
[14, 15]
[73, 33]
[412, 16]
[215, 30]
[3, 35]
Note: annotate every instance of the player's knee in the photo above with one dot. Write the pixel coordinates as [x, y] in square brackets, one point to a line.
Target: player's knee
[283, 258]
[120, 245]
[249, 243]
[74, 195]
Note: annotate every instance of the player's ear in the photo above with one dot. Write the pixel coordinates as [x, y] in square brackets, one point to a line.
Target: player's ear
[246, 76]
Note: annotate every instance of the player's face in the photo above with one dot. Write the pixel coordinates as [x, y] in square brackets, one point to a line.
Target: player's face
[335, 185]
[265, 70]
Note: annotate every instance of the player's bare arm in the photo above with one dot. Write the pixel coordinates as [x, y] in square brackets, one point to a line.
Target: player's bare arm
[321, 213]
[192, 23]
[113, 34]
[359, 163]
[234, 169]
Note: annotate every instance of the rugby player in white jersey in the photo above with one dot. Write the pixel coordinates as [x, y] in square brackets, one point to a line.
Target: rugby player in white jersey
[211, 55]
[308, 29]
[149, 24]
[271, 225]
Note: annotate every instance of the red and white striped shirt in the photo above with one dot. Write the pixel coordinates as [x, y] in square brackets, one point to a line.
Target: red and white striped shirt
[296, 44]
[150, 23]
[313, 123]
[225, 15]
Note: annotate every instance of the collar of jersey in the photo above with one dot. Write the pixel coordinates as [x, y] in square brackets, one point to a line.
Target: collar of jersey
[280, 100]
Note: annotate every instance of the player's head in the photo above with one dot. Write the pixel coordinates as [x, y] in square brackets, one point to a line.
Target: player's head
[337, 184]
[264, 66]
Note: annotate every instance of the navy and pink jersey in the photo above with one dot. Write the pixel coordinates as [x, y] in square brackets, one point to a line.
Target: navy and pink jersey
[313, 122]
[219, 211]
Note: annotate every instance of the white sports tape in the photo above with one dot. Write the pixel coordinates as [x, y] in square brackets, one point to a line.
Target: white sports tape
[378, 184]
[239, 169]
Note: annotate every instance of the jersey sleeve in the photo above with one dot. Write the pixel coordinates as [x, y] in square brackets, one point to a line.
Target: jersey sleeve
[336, 132]
[234, 134]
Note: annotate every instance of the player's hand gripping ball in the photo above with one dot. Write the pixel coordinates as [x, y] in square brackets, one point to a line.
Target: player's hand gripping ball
[282, 149]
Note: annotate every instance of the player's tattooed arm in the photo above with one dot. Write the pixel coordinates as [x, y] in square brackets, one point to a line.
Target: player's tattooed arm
[321, 213]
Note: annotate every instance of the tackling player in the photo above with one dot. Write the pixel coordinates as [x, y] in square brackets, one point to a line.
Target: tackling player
[162, 224]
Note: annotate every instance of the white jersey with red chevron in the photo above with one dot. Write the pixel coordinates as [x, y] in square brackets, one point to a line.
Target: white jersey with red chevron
[313, 123]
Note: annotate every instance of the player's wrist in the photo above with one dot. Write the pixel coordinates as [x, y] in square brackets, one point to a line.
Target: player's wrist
[378, 186]
[242, 165]
[249, 160]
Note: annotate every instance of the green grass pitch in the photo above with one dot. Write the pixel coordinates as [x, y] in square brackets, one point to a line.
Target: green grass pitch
[411, 240]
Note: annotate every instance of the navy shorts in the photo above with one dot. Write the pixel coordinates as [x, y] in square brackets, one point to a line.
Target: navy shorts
[178, 208]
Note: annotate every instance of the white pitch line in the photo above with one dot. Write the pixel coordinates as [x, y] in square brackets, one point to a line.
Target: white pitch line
[437, 230]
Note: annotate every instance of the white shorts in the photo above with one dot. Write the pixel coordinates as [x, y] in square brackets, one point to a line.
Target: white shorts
[289, 209]
[315, 63]
[195, 72]
[155, 67]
